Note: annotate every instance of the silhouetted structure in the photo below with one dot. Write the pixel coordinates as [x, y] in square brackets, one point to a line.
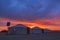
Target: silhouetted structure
[42, 31]
[18, 29]
[4, 32]
[28, 30]
[8, 23]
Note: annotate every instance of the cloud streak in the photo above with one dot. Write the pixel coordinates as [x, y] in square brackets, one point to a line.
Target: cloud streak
[29, 8]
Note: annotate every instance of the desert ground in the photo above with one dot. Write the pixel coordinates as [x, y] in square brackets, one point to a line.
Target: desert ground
[45, 36]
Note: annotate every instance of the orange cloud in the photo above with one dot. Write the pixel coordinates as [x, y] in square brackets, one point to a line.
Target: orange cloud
[50, 23]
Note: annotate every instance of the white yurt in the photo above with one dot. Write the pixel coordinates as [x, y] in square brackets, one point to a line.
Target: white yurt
[18, 29]
[36, 30]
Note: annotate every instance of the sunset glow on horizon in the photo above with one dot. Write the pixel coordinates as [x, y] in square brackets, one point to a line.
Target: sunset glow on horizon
[51, 24]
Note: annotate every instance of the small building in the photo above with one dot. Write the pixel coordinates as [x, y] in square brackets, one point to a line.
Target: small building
[36, 30]
[47, 30]
[18, 29]
[3, 32]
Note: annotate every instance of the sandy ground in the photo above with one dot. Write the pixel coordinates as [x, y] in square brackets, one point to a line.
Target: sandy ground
[46, 36]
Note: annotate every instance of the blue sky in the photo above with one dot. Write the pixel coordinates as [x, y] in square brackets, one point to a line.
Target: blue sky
[29, 9]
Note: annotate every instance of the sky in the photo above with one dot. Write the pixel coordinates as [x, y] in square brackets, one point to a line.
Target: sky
[42, 13]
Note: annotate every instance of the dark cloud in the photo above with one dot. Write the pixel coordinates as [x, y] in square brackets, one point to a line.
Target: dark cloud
[29, 9]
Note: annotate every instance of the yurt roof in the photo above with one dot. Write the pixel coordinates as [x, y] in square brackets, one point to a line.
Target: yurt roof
[20, 25]
[36, 28]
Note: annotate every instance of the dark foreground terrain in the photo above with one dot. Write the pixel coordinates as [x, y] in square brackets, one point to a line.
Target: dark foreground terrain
[46, 36]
